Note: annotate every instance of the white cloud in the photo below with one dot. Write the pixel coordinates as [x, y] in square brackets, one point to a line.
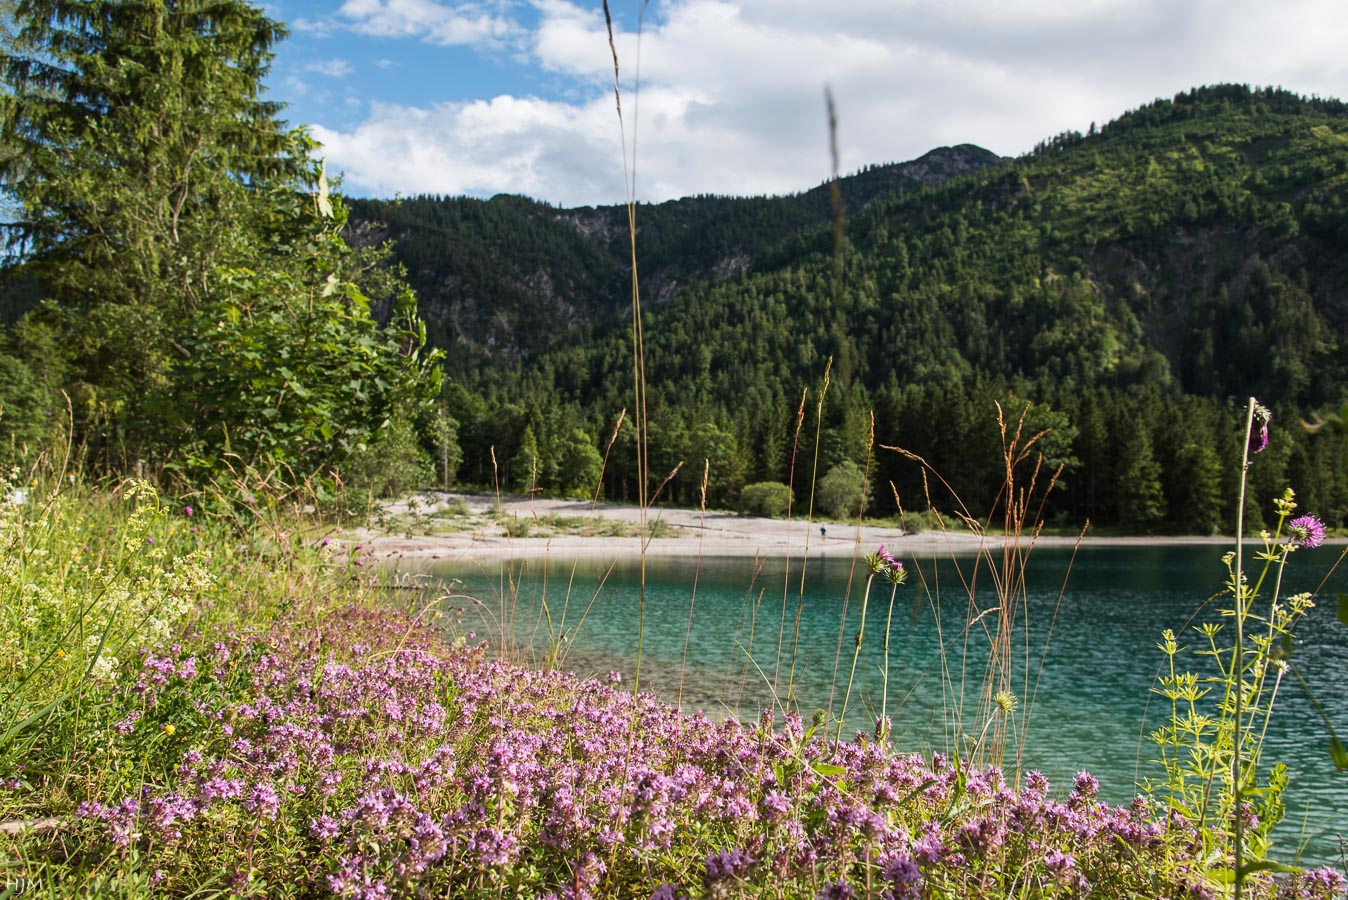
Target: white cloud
[439, 23]
[731, 96]
[332, 68]
[503, 145]
[319, 28]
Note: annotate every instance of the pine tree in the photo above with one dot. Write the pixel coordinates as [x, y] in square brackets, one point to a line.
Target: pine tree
[1142, 505]
[141, 157]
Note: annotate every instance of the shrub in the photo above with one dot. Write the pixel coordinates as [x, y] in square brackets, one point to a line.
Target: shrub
[839, 494]
[391, 466]
[766, 498]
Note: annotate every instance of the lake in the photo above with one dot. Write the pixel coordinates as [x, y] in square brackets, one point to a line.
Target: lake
[1084, 653]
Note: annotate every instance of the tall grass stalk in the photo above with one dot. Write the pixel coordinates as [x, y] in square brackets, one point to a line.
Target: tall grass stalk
[1238, 652]
[999, 713]
[809, 521]
[789, 699]
[697, 571]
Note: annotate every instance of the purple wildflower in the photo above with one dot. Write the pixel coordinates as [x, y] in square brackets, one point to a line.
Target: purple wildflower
[883, 726]
[324, 828]
[188, 511]
[264, 801]
[1058, 861]
[1259, 428]
[1086, 786]
[1306, 531]
[726, 865]
[1324, 882]
[904, 878]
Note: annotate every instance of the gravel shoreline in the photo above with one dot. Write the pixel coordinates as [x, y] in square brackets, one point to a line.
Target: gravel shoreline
[414, 530]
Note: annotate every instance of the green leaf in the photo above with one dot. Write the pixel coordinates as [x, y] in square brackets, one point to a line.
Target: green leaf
[1338, 753]
[1266, 865]
[1343, 608]
[828, 769]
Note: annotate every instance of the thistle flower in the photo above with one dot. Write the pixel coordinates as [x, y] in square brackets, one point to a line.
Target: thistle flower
[1259, 428]
[882, 562]
[895, 574]
[1305, 531]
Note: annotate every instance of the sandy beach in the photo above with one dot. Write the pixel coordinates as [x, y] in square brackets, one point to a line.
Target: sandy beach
[467, 529]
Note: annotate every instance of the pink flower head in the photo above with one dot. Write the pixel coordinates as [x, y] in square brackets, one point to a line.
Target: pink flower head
[1306, 531]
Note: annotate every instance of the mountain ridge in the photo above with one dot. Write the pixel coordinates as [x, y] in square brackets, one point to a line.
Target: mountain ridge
[677, 240]
[1172, 263]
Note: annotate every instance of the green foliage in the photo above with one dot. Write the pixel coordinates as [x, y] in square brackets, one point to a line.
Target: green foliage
[391, 466]
[1154, 271]
[299, 375]
[770, 499]
[208, 312]
[76, 604]
[135, 146]
[23, 423]
[1211, 748]
[579, 464]
[843, 493]
[1142, 501]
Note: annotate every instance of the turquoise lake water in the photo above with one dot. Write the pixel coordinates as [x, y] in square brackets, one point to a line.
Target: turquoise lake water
[1087, 659]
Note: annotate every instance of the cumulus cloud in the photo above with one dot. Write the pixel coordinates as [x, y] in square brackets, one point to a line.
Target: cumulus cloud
[319, 28]
[731, 97]
[502, 145]
[439, 23]
[332, 68]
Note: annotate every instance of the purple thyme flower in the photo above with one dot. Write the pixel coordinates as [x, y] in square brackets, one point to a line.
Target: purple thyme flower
[1325, 882]
[1306, 531]
[903, 876]
[1086, 786]
[1058, 861]
[727, 864]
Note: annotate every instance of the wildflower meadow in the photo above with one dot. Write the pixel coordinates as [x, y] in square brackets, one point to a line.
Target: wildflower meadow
[216, 698]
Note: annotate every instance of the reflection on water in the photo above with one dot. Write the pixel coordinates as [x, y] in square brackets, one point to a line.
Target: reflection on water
[735, 636]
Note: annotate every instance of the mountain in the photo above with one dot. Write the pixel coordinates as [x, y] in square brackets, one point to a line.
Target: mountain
[1136, 282]
[506, 279]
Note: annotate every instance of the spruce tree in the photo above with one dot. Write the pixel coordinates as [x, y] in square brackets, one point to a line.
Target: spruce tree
[138, 150]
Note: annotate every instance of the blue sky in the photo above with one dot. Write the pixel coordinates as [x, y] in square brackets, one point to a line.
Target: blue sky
[480, 98]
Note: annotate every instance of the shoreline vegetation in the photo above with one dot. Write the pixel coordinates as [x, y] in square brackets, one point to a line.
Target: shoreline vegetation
[220, 698]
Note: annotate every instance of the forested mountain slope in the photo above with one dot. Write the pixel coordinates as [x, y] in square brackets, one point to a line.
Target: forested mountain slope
[508, 278]
[1136, 282]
